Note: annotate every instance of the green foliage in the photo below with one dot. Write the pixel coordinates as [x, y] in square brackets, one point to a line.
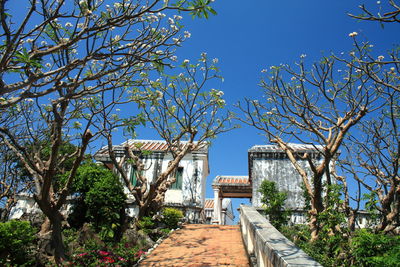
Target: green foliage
[146, 223]
[375, 249]
[331, 216]
[171, 217]
[120, 254]
[273, 203]
[100, 200]
[364, 248]
[16, 239]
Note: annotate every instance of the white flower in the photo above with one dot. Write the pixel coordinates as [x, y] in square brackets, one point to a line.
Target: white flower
[43, 43]
[186, 61]
[303, 55]
[159, 52]
[68, 24]
[263, 71]
[170, 21]
[80, 25]
[117, 110]
[117, 38]
[293, 78]
[174, 58]
[380, 58]
[215, 60]
[176, 40]
[187, 34]
[353, 34]
[174, 28]
[160, 15]
[117, 5]
[64, 40]
[177, 17]
[29, 40]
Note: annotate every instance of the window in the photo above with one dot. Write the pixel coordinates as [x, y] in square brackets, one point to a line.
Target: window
[133, 178]
[178, 182]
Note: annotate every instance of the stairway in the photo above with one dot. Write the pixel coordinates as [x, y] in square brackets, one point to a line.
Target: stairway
[200, 245]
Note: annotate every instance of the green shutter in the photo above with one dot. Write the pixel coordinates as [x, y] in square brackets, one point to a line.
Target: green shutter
[178, 176]
[133, 178]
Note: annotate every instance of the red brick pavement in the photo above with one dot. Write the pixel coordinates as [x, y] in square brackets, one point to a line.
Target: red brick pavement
[200, 245]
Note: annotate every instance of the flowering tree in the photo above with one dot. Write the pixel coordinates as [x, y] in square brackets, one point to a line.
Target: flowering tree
[315, 108]
[186, 116]
[377, 154]
[63, 63]
[321, 106]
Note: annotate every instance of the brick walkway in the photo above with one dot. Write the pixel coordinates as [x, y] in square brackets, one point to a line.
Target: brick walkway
[200, 245]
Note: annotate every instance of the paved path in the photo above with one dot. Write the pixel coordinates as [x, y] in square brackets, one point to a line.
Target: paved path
[200, 245]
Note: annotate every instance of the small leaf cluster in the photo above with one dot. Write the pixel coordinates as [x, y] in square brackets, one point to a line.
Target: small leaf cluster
[273, 203]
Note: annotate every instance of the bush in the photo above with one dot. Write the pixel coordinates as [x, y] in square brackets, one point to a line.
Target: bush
[146, 224]
[171, 217]
[16, 243]
[273, 204]
[100, 200]
[375, 249]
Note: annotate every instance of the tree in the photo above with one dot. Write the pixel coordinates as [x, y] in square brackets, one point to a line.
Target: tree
[322, 106]
[274, 204]
[377, 156]
[62, 63]
[186, 116]
[317, 108]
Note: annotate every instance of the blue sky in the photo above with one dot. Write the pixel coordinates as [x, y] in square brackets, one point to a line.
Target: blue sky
[248, 36]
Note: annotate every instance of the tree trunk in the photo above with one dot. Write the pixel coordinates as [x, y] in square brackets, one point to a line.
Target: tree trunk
[314, 225]
[46, 226]
[56, 236]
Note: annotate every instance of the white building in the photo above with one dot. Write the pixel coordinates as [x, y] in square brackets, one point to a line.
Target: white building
[270, 162]
[186, 193]
[226, 210]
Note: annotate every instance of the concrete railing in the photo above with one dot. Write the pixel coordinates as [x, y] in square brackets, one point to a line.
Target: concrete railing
[267, 244]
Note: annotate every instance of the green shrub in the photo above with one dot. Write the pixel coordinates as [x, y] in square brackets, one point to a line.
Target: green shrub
[375, 249]
[100, 201]
[171, 217]
[146, 223]
[273, 204]
[16, 242]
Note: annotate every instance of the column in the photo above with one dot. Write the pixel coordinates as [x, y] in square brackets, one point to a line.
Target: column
[217, 210]
[220, 211]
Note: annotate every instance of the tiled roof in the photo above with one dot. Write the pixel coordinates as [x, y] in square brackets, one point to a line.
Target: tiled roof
[209, 203]
[147, 145]
[295, 147]
[231, 180]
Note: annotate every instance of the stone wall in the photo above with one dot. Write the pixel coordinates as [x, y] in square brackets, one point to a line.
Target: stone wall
[267, 244]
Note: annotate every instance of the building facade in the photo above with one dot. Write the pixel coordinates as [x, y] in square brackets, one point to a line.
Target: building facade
[270, 162]
[186, 193]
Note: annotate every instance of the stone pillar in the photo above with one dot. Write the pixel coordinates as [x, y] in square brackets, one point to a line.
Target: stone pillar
[220, 211]
[217, 210]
